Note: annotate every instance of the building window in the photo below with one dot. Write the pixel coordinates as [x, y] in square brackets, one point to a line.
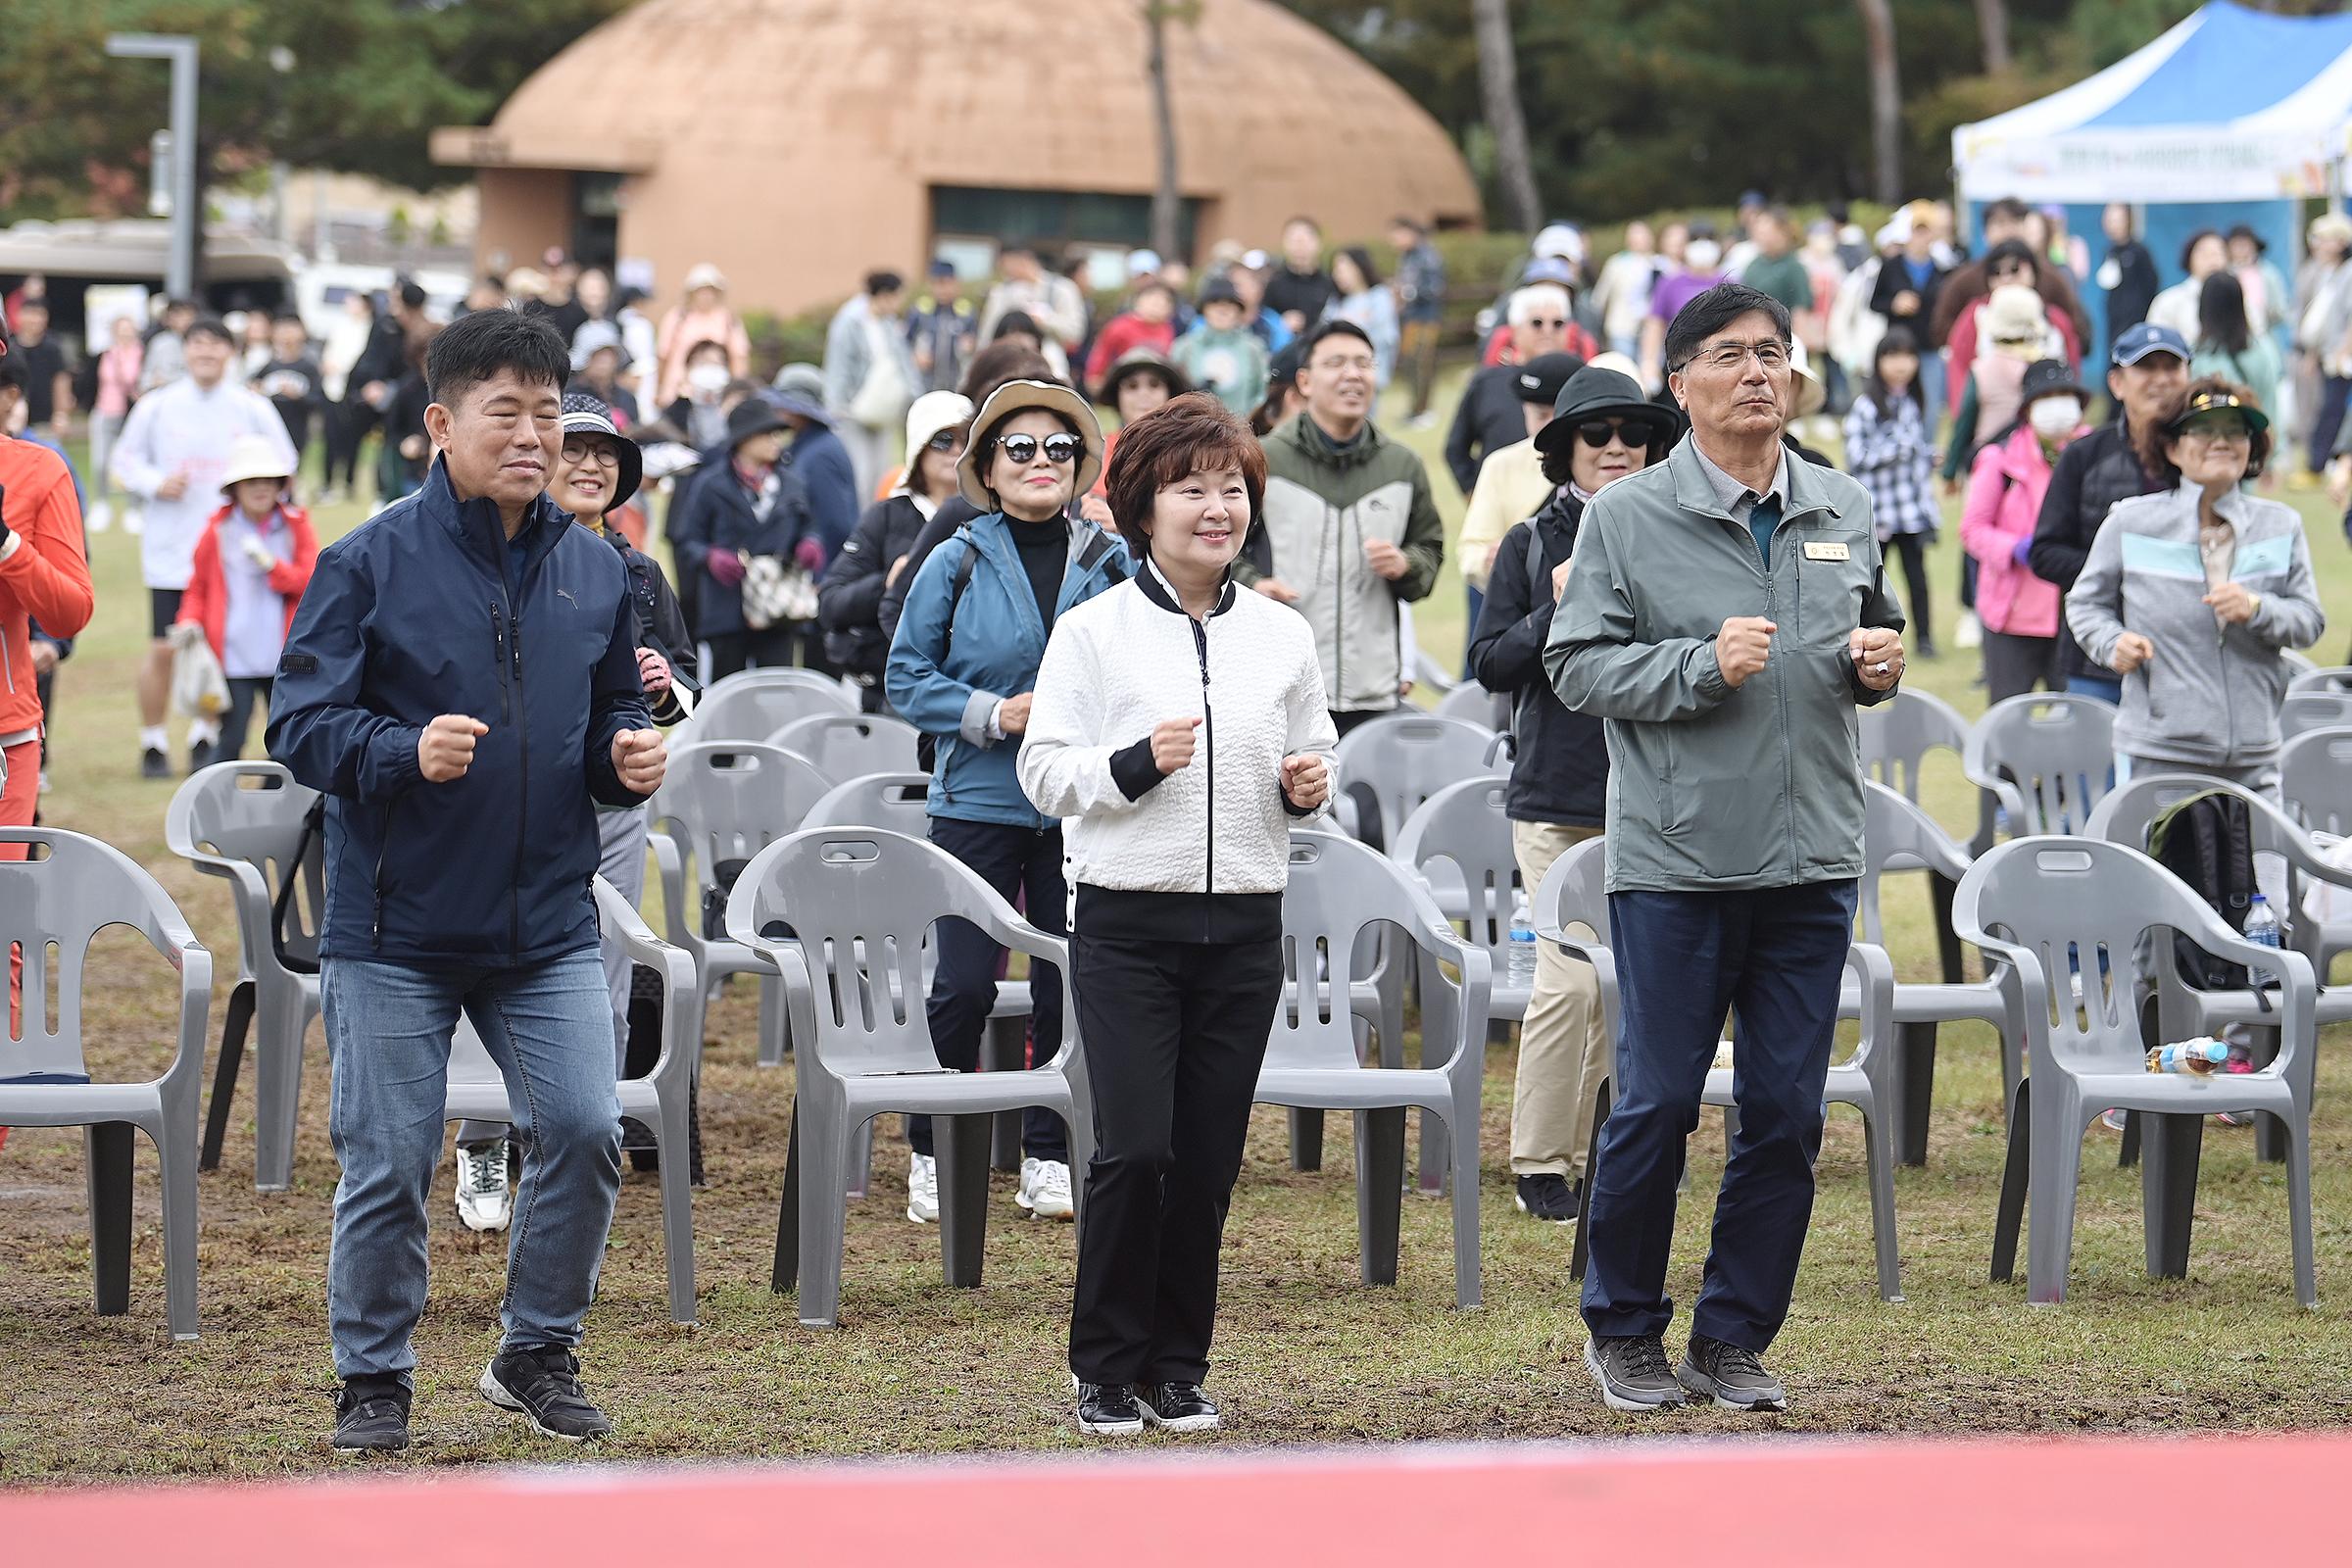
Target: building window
[964, 216]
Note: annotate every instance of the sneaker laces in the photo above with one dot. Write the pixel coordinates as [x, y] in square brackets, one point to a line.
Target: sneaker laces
[1729, 1360]
[1053, 1179]
[486, 1167]
[1644, 1357]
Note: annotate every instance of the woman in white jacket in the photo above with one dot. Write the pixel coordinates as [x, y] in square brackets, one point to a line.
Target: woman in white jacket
[1180, 724]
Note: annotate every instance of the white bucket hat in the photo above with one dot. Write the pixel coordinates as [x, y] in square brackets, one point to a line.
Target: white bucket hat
[252, 456]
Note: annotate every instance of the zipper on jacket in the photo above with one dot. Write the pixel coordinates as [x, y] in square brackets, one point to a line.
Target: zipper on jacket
[1780, 693]
[1208, 742]
[498, 639]
[522, 805]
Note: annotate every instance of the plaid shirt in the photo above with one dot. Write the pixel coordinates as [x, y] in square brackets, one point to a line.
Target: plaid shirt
[1895, 458]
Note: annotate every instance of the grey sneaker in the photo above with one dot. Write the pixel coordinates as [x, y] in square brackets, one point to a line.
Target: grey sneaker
[1731, 1374]
[1633, 1373]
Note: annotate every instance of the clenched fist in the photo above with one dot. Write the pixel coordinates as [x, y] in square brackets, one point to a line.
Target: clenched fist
[1173, 743]
[1742, 646]
[1013, 714]
[640, 758]
[445, 751]
[1878, 656]
[2131, 651]
[1305, 780]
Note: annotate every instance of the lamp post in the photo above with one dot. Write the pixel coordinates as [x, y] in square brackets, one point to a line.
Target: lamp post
[180, 280]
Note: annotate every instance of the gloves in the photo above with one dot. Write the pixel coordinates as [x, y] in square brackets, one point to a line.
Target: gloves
[810, 554]
[2022, 549]
[725, 566]
[259, 553]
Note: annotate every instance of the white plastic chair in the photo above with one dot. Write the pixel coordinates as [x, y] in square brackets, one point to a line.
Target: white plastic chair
[753, 703]
[2307, 710]
[848, 746]
[2046, 758]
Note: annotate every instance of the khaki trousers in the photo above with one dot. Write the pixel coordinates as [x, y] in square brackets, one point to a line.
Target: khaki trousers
[1564, 1049]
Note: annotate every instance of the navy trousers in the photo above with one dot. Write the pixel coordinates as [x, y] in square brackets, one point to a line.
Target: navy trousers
[1775, 959]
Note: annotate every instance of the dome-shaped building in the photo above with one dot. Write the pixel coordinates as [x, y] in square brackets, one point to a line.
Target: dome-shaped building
[800, 144]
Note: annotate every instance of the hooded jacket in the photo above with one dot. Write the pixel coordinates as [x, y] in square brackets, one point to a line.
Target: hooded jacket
[409, 617]
[2210, 695]
[2004, 497]
[1323, 504]
[43, 573]
[1560, 759]
[946, 680]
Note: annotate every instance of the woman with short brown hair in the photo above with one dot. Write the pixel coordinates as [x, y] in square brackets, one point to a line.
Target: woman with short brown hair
[1178, 726]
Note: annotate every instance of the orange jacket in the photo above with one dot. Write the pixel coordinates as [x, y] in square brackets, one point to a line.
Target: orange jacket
[206, 601]
[43, 577]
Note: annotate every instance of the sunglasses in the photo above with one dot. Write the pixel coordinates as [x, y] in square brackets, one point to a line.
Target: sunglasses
[946, 441]
[1023, 449]
[1598, 433]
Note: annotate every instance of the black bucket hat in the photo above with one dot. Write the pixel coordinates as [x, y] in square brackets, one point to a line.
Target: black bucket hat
[2048, 377]
[587, 416]
[1599, 393]
[753, 417]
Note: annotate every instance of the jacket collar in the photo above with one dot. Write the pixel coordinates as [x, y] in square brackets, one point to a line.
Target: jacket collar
[1155, 588]
[476, 527]
[1309, 438]
[1695, 491]
[2237, 507]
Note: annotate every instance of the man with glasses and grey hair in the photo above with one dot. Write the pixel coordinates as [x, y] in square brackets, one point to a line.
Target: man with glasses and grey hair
[1725, 613]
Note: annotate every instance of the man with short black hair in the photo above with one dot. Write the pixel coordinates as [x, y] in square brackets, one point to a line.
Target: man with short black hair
[1353, 526]
[172, 451]
[1725, 613]
[292, 380]
[1301, 286]
[48, 384]
[461, 683]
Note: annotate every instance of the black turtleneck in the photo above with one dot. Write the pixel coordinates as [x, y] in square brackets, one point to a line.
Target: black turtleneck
[1045, 549]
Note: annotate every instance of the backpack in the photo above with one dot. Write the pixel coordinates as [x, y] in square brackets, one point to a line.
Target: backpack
[926, 745]
[2207, 840]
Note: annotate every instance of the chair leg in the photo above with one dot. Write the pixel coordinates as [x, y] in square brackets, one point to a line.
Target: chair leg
[1006, 1042]
[787, 1270]
[1467, 1289]
[2168, 1186]
[2127, 1147]
[775, 1028]
[824, 1176]
[1877, 1152]
[1947, 939]
[962, 1143]
[2269, 1132]
[2010, 1215]
[677, 1206]
[2299, 1209]
[1579, 1252]
[2058, 1125]
[109, 1216]
[1306, 1139]
[1437, 1156]
[233, 1029]
[1379, 1190]
[1916, 1041]
[861, 1160]
[176, 1145]
[278, 1092]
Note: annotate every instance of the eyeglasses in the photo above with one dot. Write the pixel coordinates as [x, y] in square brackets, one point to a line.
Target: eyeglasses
[601, 453]
[1726, 357]
[1022, 449]
[1598, 433]
[946, 441]
[2228, 427]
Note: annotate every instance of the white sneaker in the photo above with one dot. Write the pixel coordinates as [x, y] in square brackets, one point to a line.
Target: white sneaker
[923, 1189]
[101, 516]
[1045, 1189]
[483, 1202]
[135, 521]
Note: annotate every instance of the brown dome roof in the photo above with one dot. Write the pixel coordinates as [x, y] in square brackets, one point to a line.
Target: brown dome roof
[1271, 112]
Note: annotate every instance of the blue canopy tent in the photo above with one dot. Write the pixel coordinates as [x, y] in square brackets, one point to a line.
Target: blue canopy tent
[2232, 116]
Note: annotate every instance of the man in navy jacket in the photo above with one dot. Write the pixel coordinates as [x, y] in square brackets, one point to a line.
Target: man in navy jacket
[460, 681]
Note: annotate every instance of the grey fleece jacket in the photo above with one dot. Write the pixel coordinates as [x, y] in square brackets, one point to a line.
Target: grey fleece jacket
[2211, 694]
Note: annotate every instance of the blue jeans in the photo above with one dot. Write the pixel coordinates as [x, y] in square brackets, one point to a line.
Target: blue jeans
[1774, 958]
[2106, 689]
[388, 1027]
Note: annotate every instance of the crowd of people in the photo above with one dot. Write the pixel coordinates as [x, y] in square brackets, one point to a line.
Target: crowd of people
[1092, 620]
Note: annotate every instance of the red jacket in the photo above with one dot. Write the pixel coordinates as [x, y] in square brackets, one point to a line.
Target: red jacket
[206, 601]
[1122, 334]
[45, 576]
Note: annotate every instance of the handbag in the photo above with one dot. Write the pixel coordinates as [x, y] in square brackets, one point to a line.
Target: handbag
[776, 589]
[881, 398]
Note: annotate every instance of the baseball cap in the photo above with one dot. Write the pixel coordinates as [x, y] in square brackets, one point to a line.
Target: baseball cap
[2148, 338]
[1541, 377]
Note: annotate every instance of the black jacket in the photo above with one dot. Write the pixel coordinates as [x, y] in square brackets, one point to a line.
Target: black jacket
[2091, 476]
[717, 513]
[661, 626]
[953, 513]
[1895, 277]
[382, 359]
[849, 602]
[2134, 288]
[1491, 417]
[1560, 770]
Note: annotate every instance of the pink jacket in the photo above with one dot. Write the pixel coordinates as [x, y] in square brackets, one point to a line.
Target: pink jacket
[2004, 497]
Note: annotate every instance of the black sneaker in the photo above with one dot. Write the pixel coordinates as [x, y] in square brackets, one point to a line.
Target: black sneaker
[1545, 1197]
[544, 1383]
[153, 764]
[200, 757]
[1633, 1373]
[1730, 1375]
[1108, 1410]
[1176, 1406]
[371, 1416]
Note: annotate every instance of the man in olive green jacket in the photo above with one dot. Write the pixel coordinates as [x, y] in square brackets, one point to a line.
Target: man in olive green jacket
[1725, 613]
[1353, 527]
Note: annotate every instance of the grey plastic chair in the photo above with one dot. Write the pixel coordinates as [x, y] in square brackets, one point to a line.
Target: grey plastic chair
[1427, 672]
[1897, 834]
[1402, 760]
[2047, 759]
[1339, 891]
[2315, 780]
[723, 801]
[49, 909]
[659, 1100]
[1896, 740]
[1473, 703]
[848, 746]
[242, 822]
[2046, 904]
[862, 902]
[2304, 711]
[755, 703]
[2297, 662]
[1575, 894]
[2333, 678]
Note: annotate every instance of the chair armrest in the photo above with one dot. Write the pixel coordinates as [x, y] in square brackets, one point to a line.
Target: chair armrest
[195, 966]
[1979, 773]
[671, 869]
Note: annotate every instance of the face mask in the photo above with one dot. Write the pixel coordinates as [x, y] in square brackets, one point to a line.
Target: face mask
[1701, 255]
[708, 377]
[2052, 417]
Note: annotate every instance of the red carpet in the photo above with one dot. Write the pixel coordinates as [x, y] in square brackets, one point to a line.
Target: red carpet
[1763, 1504]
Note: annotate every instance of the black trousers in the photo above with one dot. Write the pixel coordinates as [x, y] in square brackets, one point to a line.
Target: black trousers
[243, 693]
[1174, 1033]
[1912, 549]
[347, 425]
[795, 642]
[2015, 665]
[1015, 861]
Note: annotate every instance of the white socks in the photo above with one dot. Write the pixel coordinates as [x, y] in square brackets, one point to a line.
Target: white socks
[152, 738]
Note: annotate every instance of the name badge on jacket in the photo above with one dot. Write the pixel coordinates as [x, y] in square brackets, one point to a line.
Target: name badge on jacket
[1827, 550]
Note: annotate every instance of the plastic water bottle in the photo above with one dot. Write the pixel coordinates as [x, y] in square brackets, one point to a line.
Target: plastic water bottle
[2261, 929]
[2200, 1057]
[1521, 969]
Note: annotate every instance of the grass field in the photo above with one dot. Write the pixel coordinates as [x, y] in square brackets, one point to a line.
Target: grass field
[1305, 1352]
